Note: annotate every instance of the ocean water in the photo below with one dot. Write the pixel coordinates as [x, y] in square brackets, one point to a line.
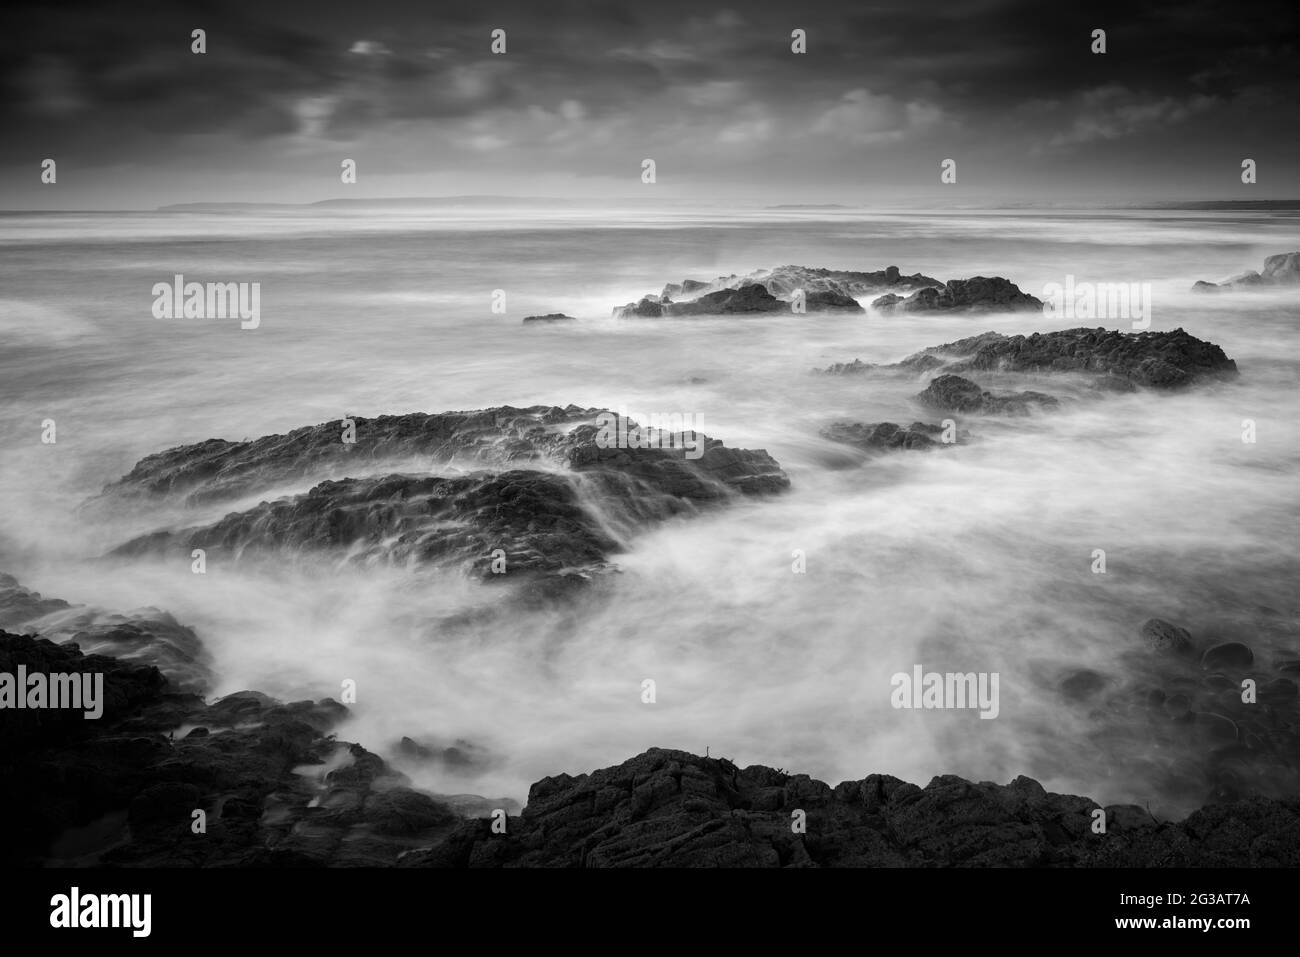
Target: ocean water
[977, 558]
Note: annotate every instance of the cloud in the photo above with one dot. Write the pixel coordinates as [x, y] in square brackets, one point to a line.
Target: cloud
[862, 117]
[1113, 111]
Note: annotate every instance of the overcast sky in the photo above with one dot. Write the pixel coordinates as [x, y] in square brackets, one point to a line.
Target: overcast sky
[411, 91]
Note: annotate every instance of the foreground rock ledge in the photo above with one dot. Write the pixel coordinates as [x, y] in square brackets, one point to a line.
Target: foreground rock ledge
[240, 756]
[674, 809]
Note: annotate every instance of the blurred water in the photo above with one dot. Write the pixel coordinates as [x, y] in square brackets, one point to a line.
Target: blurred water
[974, 559]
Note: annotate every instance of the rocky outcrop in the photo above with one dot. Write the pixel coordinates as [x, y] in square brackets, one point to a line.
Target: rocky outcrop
[550, 317]
[122, 790]
[1157, 360]
[674, 809]
[888, 436]
[548, 436]
[536, 518]
[146, 635]
[1280, 270]
[979, 294]
[1115, 360]
[950, 393]
[773, 290]
[551, 521]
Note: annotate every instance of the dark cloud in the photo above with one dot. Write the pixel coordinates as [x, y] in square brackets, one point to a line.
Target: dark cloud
[118, 82]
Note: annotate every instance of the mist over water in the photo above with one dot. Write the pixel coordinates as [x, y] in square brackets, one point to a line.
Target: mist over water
[974, 558]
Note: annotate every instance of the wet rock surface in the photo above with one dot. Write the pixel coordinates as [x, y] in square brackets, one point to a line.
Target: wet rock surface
[551, 520]
[1115, 361]
[950, 393]
[674, 809]
[1280, 270]
[978, 294]
[883, 436]
[771, 291]
[121, 790]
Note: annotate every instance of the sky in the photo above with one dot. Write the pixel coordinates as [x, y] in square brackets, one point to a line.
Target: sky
[585, 92]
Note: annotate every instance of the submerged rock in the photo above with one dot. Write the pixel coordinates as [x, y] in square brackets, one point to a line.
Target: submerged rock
[1164, 637]
[1280, 270]
[883, 436]
[952, 393]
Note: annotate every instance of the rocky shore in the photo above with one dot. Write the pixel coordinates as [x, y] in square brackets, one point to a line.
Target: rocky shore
[167, 779]
[542, 492]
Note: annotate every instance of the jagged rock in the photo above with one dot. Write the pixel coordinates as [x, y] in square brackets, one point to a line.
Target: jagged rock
[886, 435]
[504, 436]
[60, 771]
[19, 605]
[550, 525]
[535, 517]
[825, 290]
[673, 809]
[978, 294]
[1161, 360]
[952, 393]
[1280, 270]
[145, 635]
[550, 317]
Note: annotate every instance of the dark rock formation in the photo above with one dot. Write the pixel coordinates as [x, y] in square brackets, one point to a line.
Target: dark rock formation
[825, 290]
[1280, 270]
[978, 294]
[674, 809]
[548, 523]
[146, 635]
[883, 436]
[1162, 636]
[535, 517]
[504, 436]
[550, 317]
[1158, 360]
[121, 790]
[950, 393]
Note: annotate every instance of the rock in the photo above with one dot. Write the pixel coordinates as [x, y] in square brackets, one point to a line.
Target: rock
[674, 809]
[1230, 655]
[62, 771]
[825, 290]
[1280, 270]
[884, 436]
[1083, 684]
[950, 393]
[547, 529]
[550, 317]
[19, 605]
[1165, 637]
[979, 294]
[1158, 360]
[217, 470]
